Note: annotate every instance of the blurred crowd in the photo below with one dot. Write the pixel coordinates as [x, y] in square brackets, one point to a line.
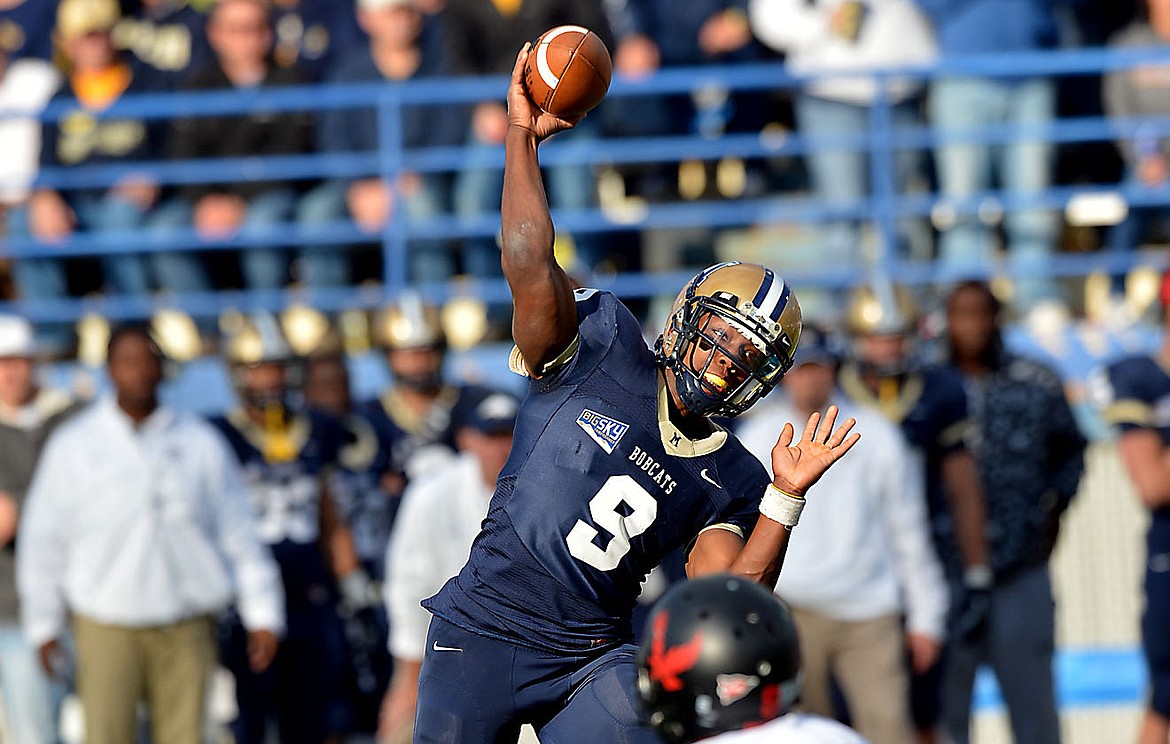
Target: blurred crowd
[286, 544]
[84, 55]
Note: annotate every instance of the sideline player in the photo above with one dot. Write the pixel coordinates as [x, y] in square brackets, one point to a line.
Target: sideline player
[614, 464]
[1135, 395]
[721, 659]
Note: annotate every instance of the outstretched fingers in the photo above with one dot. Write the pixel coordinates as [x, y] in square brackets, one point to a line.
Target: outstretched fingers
[810, 428]
[842, 431]
[786, 435]
[826, 426]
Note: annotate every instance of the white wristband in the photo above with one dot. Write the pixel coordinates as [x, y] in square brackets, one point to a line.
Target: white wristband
[781, 507]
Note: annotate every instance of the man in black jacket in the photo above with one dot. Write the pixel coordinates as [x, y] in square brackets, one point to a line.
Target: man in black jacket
[1030, 456]
[240, 33]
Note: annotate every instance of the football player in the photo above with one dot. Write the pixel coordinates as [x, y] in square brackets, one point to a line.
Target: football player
[413, 416]
[367, 508]
[720, 661]
[287, 456]
[929, 404]
[615, 462]
[1135, 395]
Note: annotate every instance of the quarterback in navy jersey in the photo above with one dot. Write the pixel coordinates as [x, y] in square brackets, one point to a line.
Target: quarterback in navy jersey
[614, 463]
[1135, 395]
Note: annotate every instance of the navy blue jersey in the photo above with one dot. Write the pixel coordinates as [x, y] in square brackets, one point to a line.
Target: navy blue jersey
[930, 407]
[357, 487]
[599, 487]
[1134, 394]
[26, 29]
[404, 434]
[285, 482]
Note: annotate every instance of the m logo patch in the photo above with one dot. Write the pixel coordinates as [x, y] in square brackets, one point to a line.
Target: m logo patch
[732, 687]
[607, 432]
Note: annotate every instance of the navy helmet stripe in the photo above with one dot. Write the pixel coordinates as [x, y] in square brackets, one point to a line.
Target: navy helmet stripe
[781, 303]
[762, 292]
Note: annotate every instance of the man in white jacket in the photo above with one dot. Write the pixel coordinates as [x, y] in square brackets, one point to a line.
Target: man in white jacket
[830, 36]
[439, 518]
[138, 526]
[859, 562]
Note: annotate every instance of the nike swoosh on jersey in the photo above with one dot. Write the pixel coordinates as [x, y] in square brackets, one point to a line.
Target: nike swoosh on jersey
[709, 479]
[437, 647]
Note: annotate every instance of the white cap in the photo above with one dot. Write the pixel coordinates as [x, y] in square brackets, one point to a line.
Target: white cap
[16, 337]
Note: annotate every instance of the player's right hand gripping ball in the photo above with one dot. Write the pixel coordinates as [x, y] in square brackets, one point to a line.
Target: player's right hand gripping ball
[568, 71]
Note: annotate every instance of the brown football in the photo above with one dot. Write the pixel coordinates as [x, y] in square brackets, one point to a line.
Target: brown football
[568, 71]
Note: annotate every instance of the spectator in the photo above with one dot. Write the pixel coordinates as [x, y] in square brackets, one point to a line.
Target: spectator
[414, 415]
[929, 405]
[26, 28]
[137, 525]
[825, 36]
[1023, 163]
[241, 37]
[1030, 456]
[482, 38]
[1139, 92]
[440, 517]
[25, 86]
[1134, 393]
[96, 78]
[394, 54]
[367, 507]
[28, 415]
[286, 455]
[659, 34]
[313, 35]
[856, 565]
[167, 36]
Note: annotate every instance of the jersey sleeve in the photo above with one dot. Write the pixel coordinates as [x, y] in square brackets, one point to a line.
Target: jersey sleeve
[952, 421]
[1118, 393]
[603, 322]
[743, 510]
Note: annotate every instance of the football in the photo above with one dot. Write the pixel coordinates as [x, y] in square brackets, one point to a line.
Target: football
[568, 71]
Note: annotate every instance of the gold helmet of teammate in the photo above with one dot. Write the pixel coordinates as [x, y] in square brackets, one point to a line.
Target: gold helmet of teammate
[731, 336]
[409, 323]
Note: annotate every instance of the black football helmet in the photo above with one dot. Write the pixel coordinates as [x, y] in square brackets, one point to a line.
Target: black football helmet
[720, 654]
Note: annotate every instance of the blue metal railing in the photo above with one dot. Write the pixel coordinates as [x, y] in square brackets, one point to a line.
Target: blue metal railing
[883, 208]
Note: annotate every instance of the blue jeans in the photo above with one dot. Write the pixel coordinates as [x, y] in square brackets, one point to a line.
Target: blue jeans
[329, 265]
[1019, 646]
[1024, 168]
[263, 268]
[44, 278]
[1126, 236]
[842, 176]
[478, 187]
[31, 700]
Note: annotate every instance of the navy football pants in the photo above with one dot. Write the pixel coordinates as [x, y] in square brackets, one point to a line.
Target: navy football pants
[1156, 618]
[478, 690]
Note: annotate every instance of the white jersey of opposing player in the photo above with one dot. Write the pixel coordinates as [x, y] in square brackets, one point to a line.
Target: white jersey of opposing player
[794, 728]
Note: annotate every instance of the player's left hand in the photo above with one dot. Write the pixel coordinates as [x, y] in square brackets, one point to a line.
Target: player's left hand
[796, 466]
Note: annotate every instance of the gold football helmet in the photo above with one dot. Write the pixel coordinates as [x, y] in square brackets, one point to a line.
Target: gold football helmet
[409, 323]
[881, 308]
[750, 317]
